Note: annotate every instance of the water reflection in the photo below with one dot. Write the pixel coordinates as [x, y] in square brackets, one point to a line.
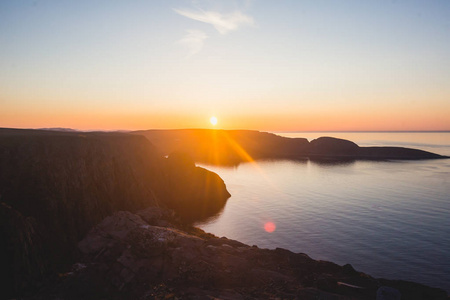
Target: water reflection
[371, 214]
[206, 217]
[329, 162]
[332, 162]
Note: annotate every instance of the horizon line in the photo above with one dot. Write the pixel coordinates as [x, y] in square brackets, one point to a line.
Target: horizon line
[206, 128]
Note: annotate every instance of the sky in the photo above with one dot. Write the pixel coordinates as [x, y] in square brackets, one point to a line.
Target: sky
[286, 65]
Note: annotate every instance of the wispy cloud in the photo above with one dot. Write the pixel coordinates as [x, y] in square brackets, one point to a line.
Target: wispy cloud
[223, 23]
[193, 41]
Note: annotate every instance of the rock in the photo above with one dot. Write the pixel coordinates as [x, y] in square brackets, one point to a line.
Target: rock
[158, 216]
[348, 269]
[387, 293]
[125, 257]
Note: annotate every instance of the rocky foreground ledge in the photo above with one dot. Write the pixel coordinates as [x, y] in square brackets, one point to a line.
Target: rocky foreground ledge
[149, 255]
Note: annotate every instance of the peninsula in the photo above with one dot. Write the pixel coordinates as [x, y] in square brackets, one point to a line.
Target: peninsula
[228, 147]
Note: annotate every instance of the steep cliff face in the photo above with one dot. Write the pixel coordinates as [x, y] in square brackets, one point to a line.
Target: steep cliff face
[68, 182]
[196, 193]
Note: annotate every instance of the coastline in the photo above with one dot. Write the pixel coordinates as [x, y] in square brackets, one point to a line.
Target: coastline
[87, 215]
[150, 254]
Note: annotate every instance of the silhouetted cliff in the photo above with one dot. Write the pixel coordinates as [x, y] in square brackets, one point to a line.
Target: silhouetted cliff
[230, 147]
[55, 186]
[196, 193]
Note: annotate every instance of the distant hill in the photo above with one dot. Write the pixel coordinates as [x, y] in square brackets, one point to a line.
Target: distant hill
[226, 146]
[230, 147]
[59, 129]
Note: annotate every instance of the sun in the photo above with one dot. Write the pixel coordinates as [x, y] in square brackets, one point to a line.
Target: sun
[213, 120]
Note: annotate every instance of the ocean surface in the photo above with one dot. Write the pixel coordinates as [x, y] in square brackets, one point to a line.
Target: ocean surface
[389, 219]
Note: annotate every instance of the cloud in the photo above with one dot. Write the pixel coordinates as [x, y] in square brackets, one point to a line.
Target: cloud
[223, 23]
[193, 40]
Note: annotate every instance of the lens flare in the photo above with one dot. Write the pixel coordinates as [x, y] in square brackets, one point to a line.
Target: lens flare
[270, 227]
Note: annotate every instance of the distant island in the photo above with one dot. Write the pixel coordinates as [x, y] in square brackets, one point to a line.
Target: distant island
[95, 215]
[230, 147]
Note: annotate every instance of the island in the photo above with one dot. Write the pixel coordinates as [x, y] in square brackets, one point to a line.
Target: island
[96, 215]
[231, 147]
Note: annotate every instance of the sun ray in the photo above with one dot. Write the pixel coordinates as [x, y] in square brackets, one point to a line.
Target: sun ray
[247, 158]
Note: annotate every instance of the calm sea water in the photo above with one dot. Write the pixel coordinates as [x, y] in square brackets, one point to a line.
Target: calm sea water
[389, 219]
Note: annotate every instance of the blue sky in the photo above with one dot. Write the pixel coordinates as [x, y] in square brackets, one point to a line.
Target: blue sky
[267, 65]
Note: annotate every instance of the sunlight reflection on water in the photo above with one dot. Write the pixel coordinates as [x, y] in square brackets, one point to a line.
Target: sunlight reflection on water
[389, 219]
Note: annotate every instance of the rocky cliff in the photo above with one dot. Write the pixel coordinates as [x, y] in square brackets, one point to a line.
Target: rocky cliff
[149, 255]
[55, 186]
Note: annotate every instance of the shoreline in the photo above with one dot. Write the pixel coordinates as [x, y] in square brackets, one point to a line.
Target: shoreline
[126, 251]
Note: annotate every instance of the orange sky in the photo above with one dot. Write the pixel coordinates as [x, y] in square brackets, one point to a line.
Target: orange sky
[253, 64]
[325, 121]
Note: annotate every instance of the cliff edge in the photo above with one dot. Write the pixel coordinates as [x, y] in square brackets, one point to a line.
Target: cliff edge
[55, 186]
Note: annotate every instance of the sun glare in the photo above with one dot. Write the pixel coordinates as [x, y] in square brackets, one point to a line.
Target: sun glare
[213, 120]
[270, 227]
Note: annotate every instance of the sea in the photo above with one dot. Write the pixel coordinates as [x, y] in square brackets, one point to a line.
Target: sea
[389, 219]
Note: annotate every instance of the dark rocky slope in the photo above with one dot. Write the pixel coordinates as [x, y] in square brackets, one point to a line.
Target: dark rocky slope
[230, 147]
[55, 186]
[149, 256]
[23, 260]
